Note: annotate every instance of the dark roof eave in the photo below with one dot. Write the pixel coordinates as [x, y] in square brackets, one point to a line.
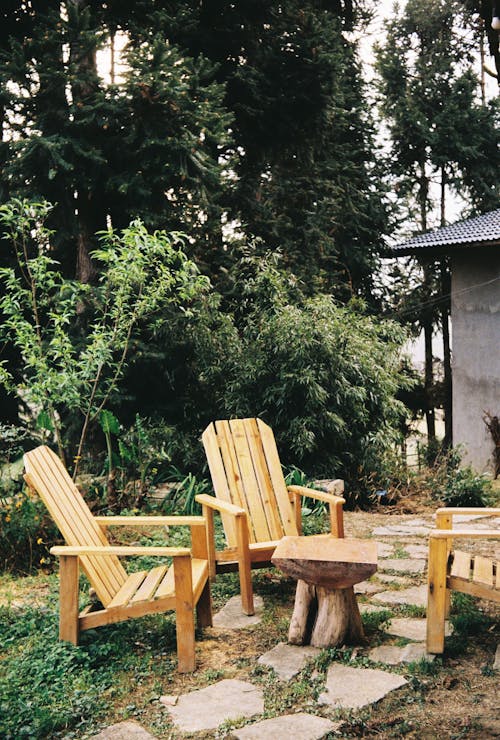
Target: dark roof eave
[426, 250]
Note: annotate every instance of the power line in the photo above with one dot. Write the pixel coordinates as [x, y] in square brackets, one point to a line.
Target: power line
[439, 299]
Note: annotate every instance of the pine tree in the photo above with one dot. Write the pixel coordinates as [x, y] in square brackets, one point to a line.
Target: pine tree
[147, 145]
[306, 181]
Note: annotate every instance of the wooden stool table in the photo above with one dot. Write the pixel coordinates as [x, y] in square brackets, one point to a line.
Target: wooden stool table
[326, 613]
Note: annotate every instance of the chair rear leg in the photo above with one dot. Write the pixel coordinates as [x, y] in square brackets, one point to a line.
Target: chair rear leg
[204, 607]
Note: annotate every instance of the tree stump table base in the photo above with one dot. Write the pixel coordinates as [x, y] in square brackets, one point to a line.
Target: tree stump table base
[326, 612]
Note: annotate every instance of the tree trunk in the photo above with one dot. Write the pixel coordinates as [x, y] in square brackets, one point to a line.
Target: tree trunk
[89, 201]
[325, 617]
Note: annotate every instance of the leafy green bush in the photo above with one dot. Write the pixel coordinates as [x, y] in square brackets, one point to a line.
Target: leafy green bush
[454, 484]
[27, 530]
[465, 487]
[324, 376]
[73, 339]
[51, 689]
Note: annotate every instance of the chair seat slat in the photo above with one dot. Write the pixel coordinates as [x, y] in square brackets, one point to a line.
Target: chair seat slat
[128, 589]
[150, 584]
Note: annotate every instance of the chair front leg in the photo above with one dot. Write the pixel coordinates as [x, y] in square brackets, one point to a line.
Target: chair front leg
[244, 565]
[208, 514]
[184, 613]
[68, 598]
[436, 595]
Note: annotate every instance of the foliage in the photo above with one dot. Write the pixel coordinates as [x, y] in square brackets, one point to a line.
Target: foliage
[455, 484]
[325, 376]
[465, 616]
[27, 530]
[443, 479]
[73, 339]
[306, 176]
[66, 127]
[52, 689]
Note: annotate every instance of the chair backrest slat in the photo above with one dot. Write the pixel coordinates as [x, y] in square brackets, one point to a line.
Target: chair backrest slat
[250, 484]
[277, 478]
[48, 476]
[245, 469]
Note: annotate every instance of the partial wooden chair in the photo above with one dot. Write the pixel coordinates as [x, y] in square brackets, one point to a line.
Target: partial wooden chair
[181, 587]
[256, 505]
[454, 570]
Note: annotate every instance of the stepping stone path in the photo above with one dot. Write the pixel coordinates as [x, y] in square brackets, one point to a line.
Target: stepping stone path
[416, 596]
[368, 587]
[352, 688]
[296, 726]
[417, 551]
[412, 629]
[207, 708]
[386, 578]
[403, 565]
[393, 655]
[288, 660]
[415, 528]
[129, 730]
[232, 616]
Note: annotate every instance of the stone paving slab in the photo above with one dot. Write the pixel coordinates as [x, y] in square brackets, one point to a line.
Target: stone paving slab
[288, 660]
[417, 551]
[371, 608]
[384, 550]
[232, 616]
[386, 578]
[296, 726]
[367, 587]
[401, 530]
[394, 655]
[129, 730]
[403, 565]
[416, 596]
[412, 629]
[351, 688]
[206, 709]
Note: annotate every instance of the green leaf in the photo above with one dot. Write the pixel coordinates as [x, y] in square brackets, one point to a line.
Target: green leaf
[43, 421]
[109, 423]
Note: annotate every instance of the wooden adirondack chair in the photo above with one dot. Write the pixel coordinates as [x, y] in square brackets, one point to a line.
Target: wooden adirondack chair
[454, 570]
[256, 505]
[180, 587]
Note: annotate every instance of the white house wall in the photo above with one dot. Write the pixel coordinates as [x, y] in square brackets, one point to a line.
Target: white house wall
[475, 311]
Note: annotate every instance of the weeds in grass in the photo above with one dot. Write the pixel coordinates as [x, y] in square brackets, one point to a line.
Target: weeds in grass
[374, 620]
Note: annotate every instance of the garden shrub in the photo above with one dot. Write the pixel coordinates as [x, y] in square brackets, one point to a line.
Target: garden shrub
[324, 376]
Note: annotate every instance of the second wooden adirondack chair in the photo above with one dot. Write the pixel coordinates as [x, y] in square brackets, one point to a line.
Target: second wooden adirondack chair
[181, 587]
[454, 570]
[256, 505]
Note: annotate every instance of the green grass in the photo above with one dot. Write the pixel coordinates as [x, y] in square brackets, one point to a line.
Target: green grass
[53, 689]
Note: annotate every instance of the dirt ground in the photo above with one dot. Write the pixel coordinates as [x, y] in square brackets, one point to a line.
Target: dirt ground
[456, 697]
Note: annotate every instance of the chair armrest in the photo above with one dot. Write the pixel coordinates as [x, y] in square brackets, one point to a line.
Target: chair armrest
[469, 511]
[335, 504]
[139, 521]
[329, 498]
[123, 550]
[444, 534]
[223, 506]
